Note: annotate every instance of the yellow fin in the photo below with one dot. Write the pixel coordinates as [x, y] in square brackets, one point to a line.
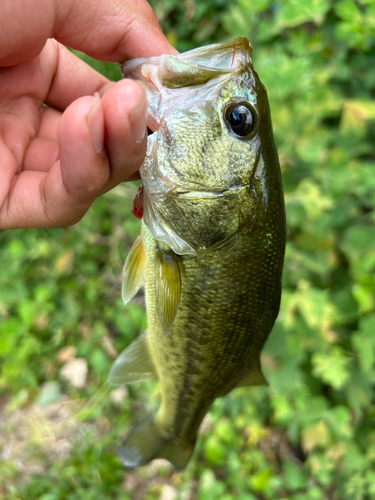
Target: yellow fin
[133, 364]
[134, 270]
[167, 287]
[255, 377]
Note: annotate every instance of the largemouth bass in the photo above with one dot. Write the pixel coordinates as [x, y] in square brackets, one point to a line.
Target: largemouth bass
[212, 243]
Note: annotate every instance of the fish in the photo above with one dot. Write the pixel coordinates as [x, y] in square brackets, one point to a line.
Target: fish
[211, 248]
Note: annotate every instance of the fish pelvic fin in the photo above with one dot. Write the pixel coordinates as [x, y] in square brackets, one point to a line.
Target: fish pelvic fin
[167, 287]
[255, 377]
[134, 270]
[133, 364]
[145, 443]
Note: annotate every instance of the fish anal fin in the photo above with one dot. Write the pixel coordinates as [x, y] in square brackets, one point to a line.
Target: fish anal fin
[133, 364]
[254, 377]
[167, 287]
[145, 443]
[134, 270]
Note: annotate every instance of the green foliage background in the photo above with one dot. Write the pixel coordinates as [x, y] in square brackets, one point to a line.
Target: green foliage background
[311, 434]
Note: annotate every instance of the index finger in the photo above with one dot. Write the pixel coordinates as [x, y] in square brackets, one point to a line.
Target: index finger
[113, 30]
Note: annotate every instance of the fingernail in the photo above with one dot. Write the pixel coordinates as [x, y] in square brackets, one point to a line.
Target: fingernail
[138, 117]
[95, 122]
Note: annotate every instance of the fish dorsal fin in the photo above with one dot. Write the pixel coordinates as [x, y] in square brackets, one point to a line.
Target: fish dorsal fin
[133, 364]
[134, 270]
[167, 287]
[255, 377]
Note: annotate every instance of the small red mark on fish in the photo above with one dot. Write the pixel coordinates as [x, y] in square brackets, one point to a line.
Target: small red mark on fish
[138, 203]
[232, 61]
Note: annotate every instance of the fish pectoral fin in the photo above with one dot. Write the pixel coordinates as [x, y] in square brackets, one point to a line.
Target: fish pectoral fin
[133, 364]
[167, 287]
[255, 377]
[145, 443]
[134, 270]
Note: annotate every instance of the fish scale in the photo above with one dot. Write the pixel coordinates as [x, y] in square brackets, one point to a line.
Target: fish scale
[212, 243]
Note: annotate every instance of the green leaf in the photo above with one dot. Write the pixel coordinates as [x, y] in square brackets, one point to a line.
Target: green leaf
[210, 487]
[340, 422]
[348, 10]
[214, 451]
[293, 12]
[364, 344]
[332, 368]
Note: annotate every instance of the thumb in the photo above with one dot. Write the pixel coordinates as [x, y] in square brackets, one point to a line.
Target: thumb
[84, 170]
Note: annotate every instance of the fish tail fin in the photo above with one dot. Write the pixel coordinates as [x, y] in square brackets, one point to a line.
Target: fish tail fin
[145, 443]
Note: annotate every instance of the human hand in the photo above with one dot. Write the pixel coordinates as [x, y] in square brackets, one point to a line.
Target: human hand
[67, 135]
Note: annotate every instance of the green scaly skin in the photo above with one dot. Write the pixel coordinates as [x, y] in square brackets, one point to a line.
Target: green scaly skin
[221, 194]
[229, 301]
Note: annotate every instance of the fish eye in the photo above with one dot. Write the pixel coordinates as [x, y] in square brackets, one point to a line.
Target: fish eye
[241, 118]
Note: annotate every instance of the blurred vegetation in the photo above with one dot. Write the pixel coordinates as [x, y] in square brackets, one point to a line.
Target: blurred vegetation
[310, 435]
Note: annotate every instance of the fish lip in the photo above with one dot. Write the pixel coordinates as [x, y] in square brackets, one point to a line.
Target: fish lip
[237, 44]
[206, 193]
